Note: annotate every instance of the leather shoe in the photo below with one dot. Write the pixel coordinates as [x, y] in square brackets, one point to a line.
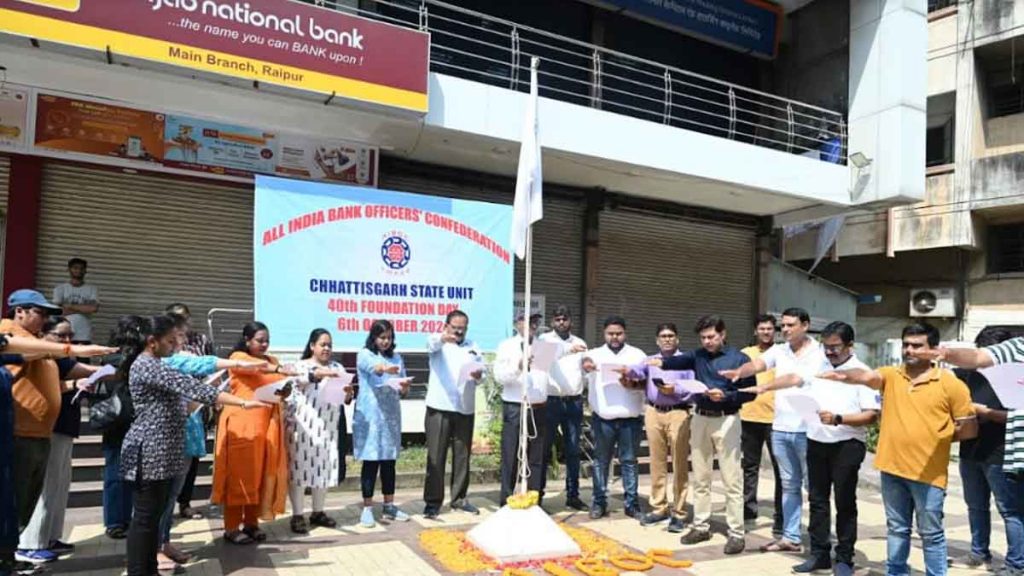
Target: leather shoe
[575, 503]
[598, 512]
[652, 518]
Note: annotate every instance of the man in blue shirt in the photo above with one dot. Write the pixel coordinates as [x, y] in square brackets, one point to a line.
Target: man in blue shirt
[715, 429]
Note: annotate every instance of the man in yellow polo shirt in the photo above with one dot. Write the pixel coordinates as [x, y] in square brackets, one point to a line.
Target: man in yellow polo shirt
[756, 419]
[924, 410]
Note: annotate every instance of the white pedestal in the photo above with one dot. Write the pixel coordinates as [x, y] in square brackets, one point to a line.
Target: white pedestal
[521, 535]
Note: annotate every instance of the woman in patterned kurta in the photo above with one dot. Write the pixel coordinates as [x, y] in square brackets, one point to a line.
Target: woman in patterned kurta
[311, 429]
[153, 450]
[250, 473]
[377, 422]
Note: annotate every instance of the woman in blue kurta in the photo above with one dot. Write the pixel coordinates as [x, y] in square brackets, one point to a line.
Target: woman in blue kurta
[377, 422]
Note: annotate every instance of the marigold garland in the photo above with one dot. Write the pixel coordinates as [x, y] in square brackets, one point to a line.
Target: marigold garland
[515, 572]
[595, 567]
[453, 552]
[664, 557]
[632, 562]
[556, 569]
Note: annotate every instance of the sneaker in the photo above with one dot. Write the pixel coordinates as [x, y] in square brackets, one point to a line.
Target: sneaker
[675, 525]
[695, 537]
[575, 503]
[734, 545]
[60, 548]
[975, 562]
[813, 565]
[366, 519]
[11, 566]
[466, 507]
[598, 512]
[35, 556]
[431, 512]
[391, 512]
[842, 569]
[651, 518]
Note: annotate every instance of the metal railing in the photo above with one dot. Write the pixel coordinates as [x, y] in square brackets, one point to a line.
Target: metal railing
[495, 51]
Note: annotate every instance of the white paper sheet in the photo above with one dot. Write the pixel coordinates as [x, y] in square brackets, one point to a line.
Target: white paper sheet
[396, 383]
[104, 371]
[332, 390]
[268, 392]
[467, 369]
[610, 373]
[1007, 381]
[692, 386]
[544, 355]
[806, 406]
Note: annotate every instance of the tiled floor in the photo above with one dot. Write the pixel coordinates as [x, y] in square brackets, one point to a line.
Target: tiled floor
[394, 549]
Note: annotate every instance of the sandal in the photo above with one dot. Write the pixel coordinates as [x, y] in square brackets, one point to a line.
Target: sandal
[179, 556]
[190, 513]
[299, 525]
[117, 533]
[321, 519]
[166, 564]
[782, 545]
[238, 537]
[255, 533]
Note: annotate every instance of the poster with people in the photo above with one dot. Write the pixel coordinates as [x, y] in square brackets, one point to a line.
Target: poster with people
[343, 256]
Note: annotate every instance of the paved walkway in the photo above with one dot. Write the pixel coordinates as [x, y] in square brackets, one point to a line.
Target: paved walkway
[394, 549]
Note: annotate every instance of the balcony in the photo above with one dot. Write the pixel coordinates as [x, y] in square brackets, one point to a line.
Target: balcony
[474, 46]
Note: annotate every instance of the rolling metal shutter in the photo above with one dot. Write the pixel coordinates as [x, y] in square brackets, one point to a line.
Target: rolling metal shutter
[662, 268]
[558, 237]
[150, 240]
[5, 174]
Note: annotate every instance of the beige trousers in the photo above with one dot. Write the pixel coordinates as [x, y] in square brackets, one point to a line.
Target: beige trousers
[711, 436]
[668, 432]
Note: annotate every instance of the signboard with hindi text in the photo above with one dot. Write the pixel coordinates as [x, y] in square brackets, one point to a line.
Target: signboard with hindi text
[277, 42]
[339, 257]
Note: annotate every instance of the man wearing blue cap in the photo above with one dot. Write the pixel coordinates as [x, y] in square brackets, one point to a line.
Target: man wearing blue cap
[37, 398]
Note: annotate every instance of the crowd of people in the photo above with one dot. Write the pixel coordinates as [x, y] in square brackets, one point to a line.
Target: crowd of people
[715, 403]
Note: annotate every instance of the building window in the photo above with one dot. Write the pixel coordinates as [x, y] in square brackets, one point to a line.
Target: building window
[939, 144]
[934, 5]
[1006, 248]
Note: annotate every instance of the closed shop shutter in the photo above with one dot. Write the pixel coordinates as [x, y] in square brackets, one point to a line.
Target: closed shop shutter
[150, 240]
[558, 237]
[661, 268]
[5, 174]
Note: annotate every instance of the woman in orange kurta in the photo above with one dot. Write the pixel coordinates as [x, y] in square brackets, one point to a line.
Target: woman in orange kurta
[250, 475]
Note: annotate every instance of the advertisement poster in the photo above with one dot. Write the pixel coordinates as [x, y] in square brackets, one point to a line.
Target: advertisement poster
[288, 44]
[332, 160]
[13, 118]
[340, 257]
[206, 146]
[102, 129]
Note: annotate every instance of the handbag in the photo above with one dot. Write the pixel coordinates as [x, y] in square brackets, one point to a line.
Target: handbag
[113, 411]
[195, 436]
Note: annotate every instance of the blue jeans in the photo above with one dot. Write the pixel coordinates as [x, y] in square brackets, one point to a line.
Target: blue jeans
[903, 500]
[981, 481]
[568, 414]
[624, 434]
[791, 453]
[117, 494]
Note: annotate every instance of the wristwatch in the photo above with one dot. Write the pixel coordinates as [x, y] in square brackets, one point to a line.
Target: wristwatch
[837, 419]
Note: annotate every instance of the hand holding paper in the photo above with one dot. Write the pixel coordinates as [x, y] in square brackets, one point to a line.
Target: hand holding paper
[1007, 382]
[333, 390]
[273, 393]
[469, 372]
[90, 383]
[807, 407]
[544, 355]
[399, 385]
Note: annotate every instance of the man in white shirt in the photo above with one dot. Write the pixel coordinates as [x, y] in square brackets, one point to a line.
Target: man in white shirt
[835, 451]
[618, 416]
[78, 300]
[508, 372]
[801, 355]
[451, 405]
[565, 401]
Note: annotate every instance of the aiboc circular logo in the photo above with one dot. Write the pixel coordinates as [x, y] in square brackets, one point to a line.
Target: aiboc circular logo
[395, 251]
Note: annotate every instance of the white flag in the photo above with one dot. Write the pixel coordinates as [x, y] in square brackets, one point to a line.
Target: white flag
[827, 236]
[528, 207]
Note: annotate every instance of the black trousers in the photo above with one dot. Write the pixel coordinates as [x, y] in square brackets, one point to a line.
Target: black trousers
[185, 496]
[343, 446]
[30, 457]
[150, 497]
[833, 467]
[368, 477]
[754, 435]
[447, 429]
[537, 426]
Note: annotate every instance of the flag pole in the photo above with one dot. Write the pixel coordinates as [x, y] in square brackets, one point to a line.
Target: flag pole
[525, 408]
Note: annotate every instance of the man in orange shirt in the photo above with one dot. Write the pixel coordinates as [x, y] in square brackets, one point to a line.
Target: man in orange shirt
[924, 410]
[36, 394]
[756, 417]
